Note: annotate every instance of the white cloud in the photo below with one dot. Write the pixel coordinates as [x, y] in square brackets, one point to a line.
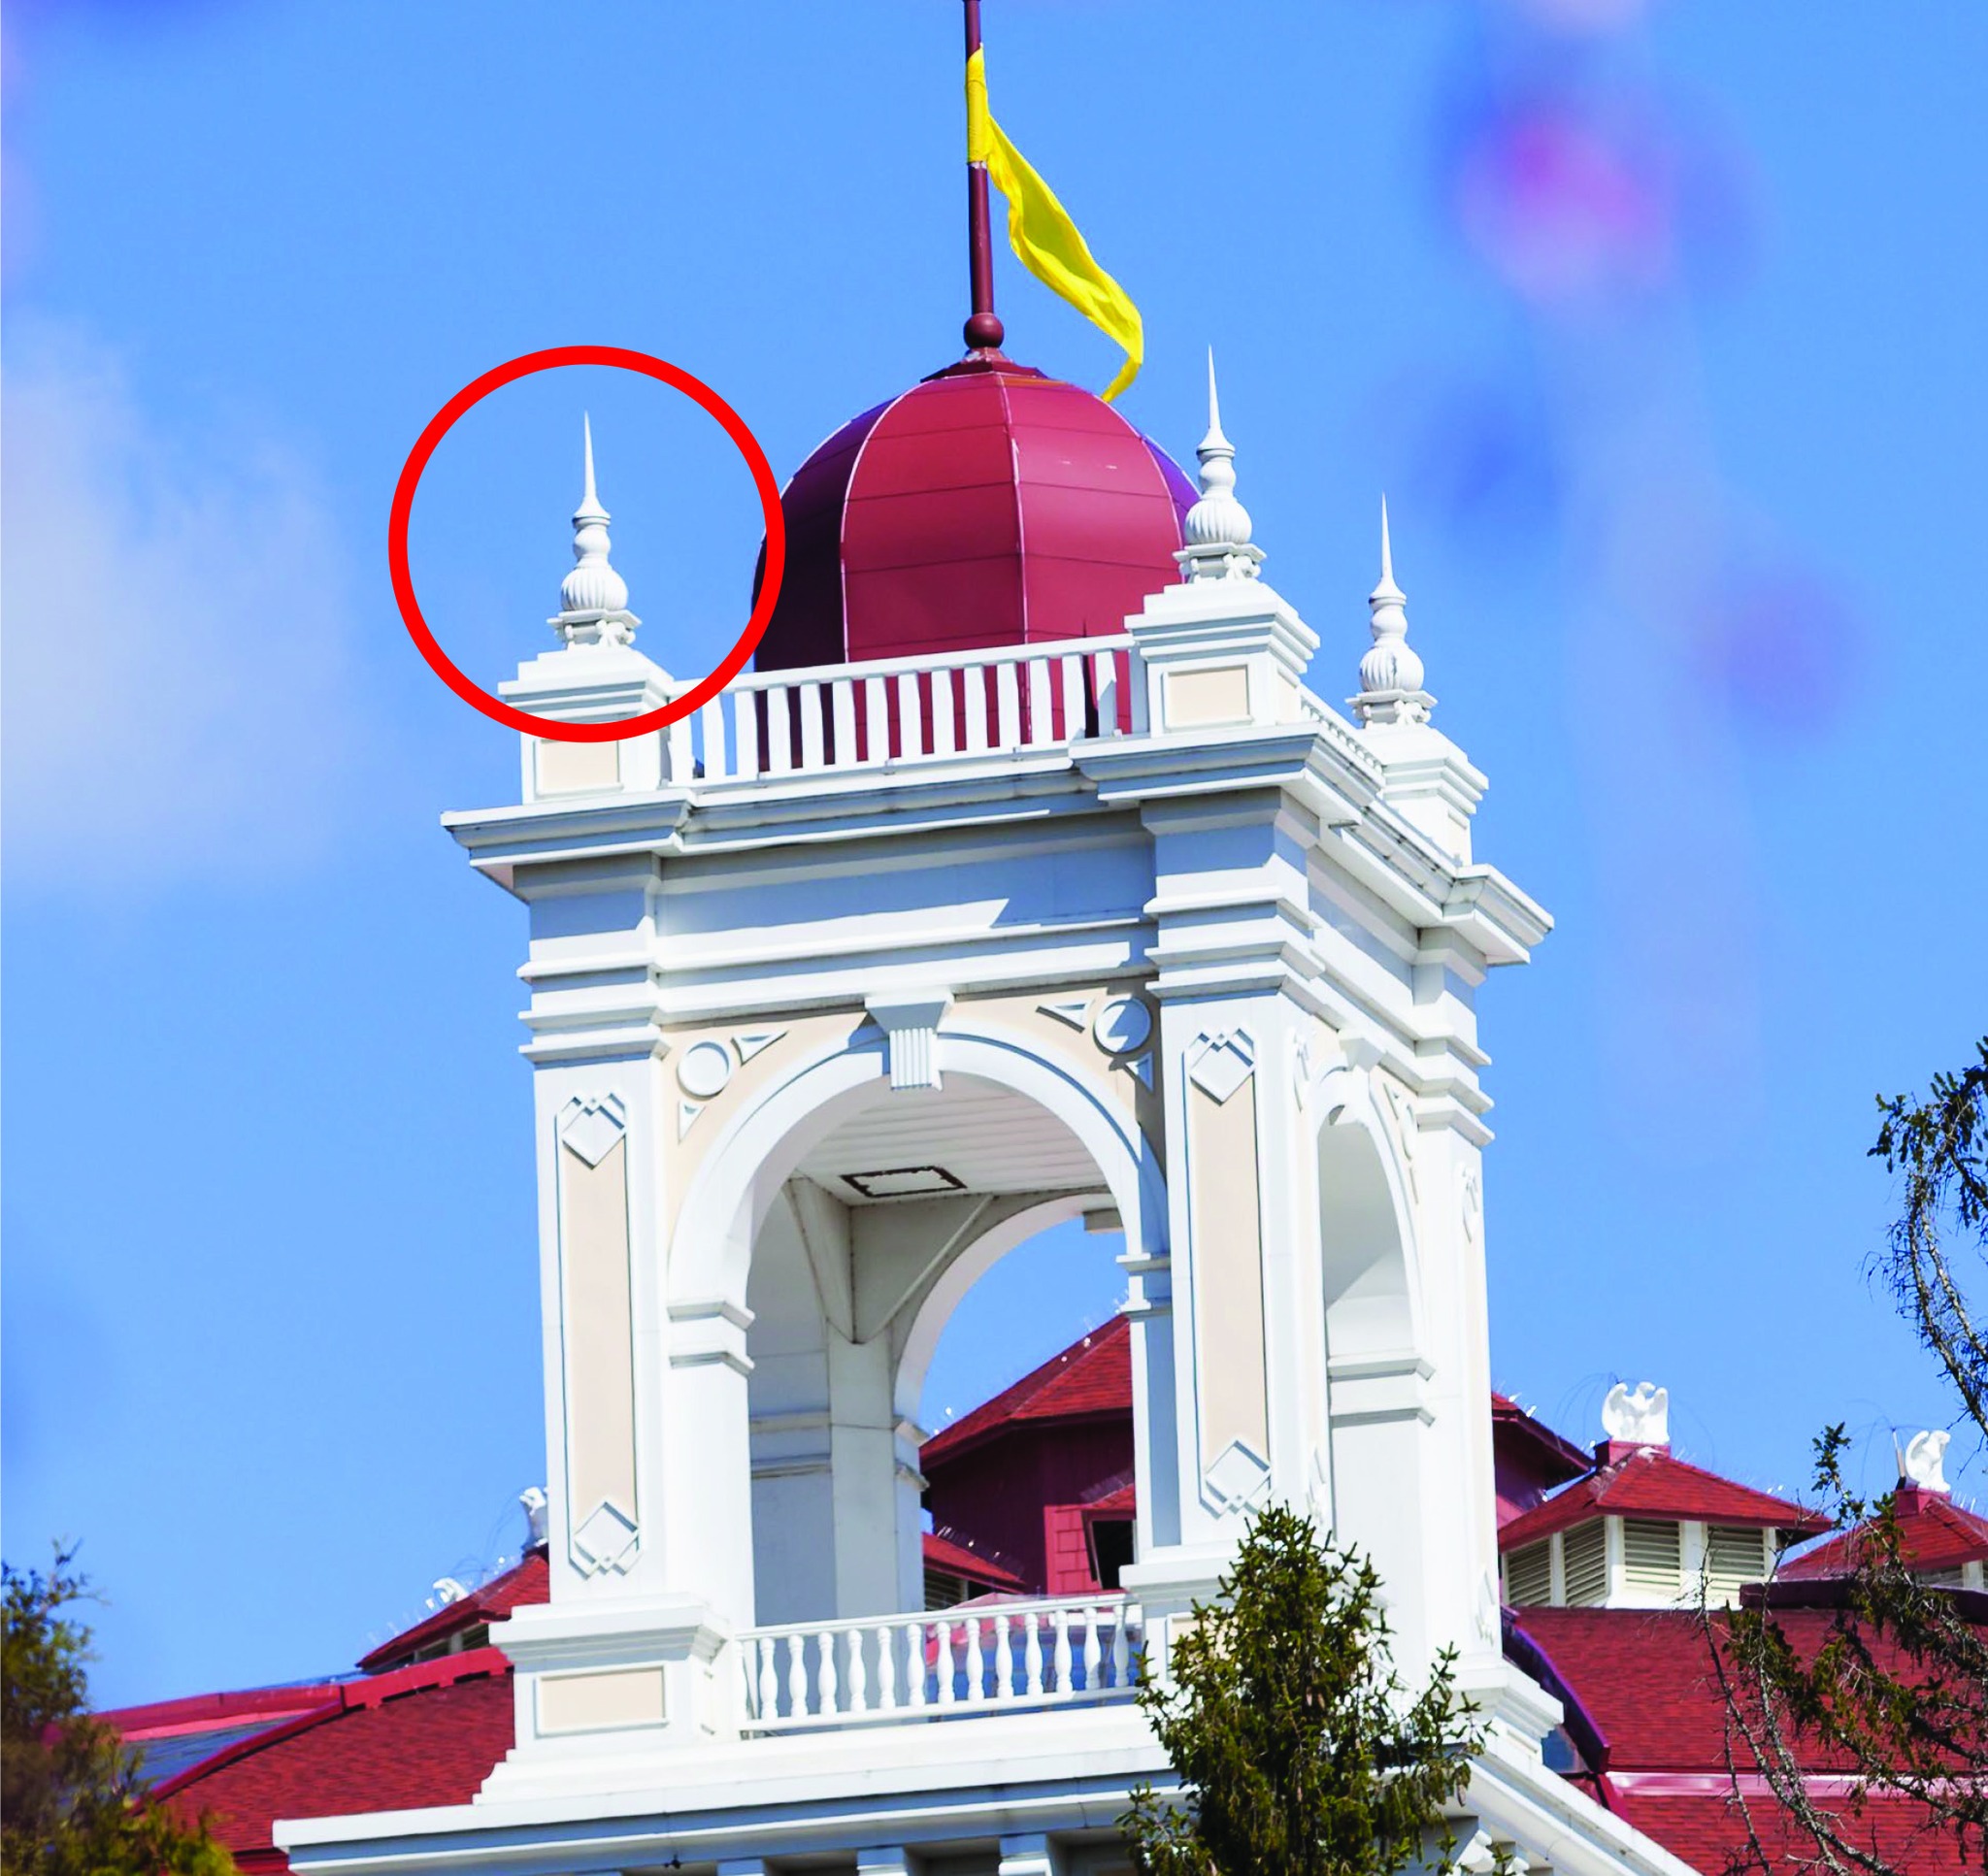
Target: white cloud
[176, 635]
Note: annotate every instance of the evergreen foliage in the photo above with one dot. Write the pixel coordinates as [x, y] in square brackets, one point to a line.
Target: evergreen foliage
[71, 1796]
[1299, 1749]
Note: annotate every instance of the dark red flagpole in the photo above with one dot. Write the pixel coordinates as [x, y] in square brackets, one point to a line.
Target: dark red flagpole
[983, 330]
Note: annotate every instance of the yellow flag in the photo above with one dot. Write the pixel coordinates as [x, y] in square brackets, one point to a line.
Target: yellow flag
[1043, 237]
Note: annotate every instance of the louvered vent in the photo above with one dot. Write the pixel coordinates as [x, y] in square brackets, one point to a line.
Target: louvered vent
[1652, 1556]
[1584, 1559]
[1733, 1556]
[1529, 1575]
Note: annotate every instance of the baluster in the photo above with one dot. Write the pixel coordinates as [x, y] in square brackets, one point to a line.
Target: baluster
[914, 1664]
[1093, 1649]
[1134, 677]
[1004, 1660]
[680, 764]
[975, 679]
[780, 730]
[746, 719]
[876, 720]
[1041, 724]
[911, 715]
[826, 1680]
[1121, 1647]
[1072, 667]
[811, 726]
[977, 1662]
[887, 1670]
[948, 1694]
[1105, 679]
[796, 1677]
[842, 695]
[944, 732]
[860, 1674]
[1008, 703]
[768, 1680]
[1032, 1657]
[1061, 1621]
[713, 716]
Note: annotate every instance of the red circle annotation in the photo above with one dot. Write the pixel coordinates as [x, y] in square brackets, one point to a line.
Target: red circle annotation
[552, 358]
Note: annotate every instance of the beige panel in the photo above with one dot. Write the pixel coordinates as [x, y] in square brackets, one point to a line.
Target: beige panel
[624, 1697]
[574, 768]
[1227, 1257]
[600, 1363]
[800, 1034]
[1195, 698]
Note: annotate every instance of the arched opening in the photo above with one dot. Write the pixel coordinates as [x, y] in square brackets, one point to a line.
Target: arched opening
[1374, 1365]
[851, 1238]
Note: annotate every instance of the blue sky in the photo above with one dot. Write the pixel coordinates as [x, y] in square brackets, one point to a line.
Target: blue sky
[1659, 323]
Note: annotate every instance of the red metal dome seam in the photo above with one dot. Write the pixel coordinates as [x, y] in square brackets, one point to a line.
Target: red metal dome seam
[1022, 535]
[841, 525]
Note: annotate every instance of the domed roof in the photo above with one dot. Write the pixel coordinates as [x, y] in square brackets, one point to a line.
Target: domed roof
[988, 505]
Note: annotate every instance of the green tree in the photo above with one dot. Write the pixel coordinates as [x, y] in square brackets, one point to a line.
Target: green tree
[1299, 1749]
[71, 1796]
[1895, 1690]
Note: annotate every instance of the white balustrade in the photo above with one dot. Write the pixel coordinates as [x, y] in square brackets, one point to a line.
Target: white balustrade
[904, 710]
[978, 1658]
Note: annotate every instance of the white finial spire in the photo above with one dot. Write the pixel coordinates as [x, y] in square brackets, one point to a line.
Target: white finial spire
[1218, 527]
[593, 598]
[1390, 673]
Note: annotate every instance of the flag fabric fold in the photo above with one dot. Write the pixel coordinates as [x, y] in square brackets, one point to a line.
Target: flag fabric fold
[1044, 238]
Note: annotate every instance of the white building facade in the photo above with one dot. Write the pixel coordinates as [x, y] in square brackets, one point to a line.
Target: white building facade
[839, 991]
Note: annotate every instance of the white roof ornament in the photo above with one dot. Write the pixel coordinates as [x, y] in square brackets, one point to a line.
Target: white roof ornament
[448, 1590]
[593, 598]
[534, 1504]
[1638, 1419]
[1216, 529]
[1925, 1463]
[1390, 673]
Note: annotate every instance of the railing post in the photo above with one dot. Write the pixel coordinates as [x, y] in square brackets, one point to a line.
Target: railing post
[948, 1694]
[796, 1677]
[713, 717]
[860, 1674]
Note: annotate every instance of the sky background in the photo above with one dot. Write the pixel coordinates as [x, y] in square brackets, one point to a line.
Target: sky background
[1660, 324]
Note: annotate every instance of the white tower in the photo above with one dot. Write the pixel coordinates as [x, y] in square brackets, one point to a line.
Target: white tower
[850, 985]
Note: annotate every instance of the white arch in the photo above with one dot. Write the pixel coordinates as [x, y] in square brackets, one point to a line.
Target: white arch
[760, 1146]
[1372, 1262]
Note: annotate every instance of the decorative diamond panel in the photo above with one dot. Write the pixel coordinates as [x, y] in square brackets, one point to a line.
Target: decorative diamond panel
[590, 1128]
[604, 1539]
[1237, 1475]
[1223, 1064]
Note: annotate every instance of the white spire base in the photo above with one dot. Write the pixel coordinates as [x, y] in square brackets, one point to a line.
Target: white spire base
[1374, 706]
[590, 682]
[1220, 654]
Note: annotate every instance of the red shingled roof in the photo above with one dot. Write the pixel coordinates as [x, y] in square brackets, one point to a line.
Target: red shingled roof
[1558, 1455]
[422, 1735]
[1092, 1378]
[956, 1560]
[1933, 1535]
[1646, 1682]
[528, 1581]
[1650, 1484]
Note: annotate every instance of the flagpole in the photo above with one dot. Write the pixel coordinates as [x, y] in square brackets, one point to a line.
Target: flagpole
[983, 330]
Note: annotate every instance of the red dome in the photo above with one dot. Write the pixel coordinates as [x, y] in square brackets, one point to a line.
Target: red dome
[988, 505]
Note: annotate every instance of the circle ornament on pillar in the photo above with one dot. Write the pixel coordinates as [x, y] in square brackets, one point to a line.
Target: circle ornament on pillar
[705, 1069]
[1122, 1026]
